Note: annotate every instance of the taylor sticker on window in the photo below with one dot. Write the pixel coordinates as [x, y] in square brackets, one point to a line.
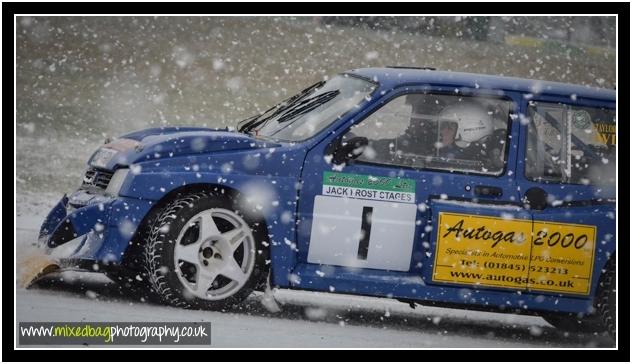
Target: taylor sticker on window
[606, 133]
[495, 252]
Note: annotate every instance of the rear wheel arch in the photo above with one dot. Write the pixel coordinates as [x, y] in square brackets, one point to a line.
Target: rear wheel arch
[603, 317]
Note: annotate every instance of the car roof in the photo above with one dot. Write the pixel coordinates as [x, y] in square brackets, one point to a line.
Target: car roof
[390, 77]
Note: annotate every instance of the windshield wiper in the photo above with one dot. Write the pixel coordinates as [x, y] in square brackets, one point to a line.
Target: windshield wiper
[308, 105]
[254, 121]
[244, 124]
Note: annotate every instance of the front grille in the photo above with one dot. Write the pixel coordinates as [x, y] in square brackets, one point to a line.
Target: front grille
[97, 178]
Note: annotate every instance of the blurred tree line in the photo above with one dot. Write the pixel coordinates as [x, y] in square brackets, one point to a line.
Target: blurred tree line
[592, 30]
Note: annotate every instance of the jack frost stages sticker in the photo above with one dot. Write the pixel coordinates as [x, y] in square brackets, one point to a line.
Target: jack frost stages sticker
[369, 187]
[520, 254]
[364, 221]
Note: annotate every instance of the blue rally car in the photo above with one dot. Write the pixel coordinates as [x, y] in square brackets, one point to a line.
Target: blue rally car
[438, 188]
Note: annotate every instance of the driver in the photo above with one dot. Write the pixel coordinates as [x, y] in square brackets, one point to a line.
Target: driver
[446, 145]
[464, 128]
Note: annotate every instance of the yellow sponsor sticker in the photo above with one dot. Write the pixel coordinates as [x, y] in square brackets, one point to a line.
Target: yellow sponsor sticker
[606, 133]
[513, 253]
[562, 250]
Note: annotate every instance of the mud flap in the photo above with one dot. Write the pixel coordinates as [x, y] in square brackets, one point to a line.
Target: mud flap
[267, 300]
[35, 266]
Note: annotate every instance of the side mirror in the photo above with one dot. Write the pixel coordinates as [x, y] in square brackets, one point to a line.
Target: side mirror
[349, 150]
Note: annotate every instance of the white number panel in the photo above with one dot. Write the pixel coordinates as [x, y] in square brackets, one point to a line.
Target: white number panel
[362, 233]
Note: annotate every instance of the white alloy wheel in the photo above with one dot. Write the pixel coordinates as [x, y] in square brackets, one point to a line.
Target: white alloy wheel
[214, 264]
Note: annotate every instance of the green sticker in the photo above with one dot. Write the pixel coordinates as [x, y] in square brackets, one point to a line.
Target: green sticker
[581, 119]
[369, 182]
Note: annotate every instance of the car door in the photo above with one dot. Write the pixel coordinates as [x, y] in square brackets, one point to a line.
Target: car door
[568, 163]
[375, 215]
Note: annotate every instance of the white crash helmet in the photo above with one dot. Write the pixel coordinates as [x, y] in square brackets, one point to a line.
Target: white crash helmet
[473, 120]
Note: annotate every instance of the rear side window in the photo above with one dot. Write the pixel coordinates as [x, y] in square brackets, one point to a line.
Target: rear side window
[571, 144]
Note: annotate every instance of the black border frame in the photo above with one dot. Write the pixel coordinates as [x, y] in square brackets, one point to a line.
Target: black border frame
[622, 353]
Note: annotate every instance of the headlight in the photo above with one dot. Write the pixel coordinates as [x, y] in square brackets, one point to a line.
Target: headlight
[102, 157]
[117, 181]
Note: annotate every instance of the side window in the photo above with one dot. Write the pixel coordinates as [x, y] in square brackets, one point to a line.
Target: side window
[434, 131]
[390, 122]
[571, 144]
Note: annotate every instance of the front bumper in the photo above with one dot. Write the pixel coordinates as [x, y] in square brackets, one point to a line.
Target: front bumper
[89, 230]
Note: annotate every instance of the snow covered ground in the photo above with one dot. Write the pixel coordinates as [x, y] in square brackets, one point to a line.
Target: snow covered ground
[306, 319]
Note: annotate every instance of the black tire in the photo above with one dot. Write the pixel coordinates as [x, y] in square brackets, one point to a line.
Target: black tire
[575, 323]
[131, 275]
[604, 317]
[159, 252]
[607, 298]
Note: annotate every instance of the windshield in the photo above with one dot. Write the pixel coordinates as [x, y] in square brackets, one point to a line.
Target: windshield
[310, 111]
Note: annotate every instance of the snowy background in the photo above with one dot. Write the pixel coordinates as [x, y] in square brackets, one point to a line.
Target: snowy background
[81, 80]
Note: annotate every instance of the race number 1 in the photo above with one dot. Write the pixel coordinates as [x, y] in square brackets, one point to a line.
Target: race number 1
[345, 230]
[365, 232]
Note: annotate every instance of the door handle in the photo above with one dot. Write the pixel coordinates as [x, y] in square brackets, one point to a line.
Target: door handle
[535, 198]
[488, 191]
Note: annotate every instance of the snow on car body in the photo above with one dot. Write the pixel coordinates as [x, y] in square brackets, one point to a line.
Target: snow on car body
[351, 186]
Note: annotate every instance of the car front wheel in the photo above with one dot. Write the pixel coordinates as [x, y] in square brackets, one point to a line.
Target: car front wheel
[204, 253]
